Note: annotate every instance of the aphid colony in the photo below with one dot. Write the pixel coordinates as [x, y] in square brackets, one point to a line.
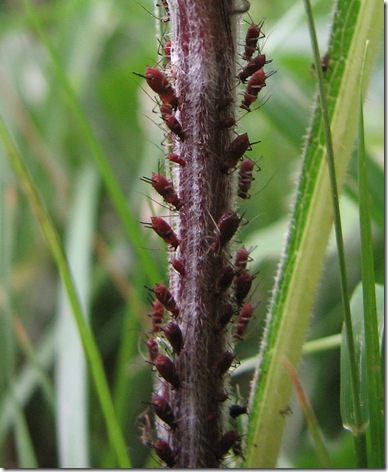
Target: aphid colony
[167, 341]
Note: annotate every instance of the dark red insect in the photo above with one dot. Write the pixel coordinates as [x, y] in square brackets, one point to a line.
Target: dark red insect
[225, 279]
[167, 49]
[227, 226]
[221, 397]
[153, 349]
[243, 284]
[166, 368]
[163, 409]
[235, 152]
[254, 85]
[245, 178]
[237, 410]
[243, 319]
[227, 122]
[257, 63]
[253, 35]
[177, 159]
[227, 441]
[165, 297]
[225, 315]
[225, 362]
[159, 83]
[165, 188]
[174, 126]
[164, 230]
[179, 267]
[157, 315]
[164, 452]
[174, 336]
[242, 258]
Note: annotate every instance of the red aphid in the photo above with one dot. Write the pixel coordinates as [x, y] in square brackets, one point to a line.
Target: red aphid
[257, 63]
[244, 316]
[242, 258]
[164, 230]
[166, 368]
[221, 397]
[225, 315]
[225, 279]
[243, 285]
[227, 441]
[227, 226]
[227, 122]
[245, 178]
[177, 159]
[235, 152]
[225, 362]
[179, 267]
[252, 37]
[160, 84]
[167, 49]
[163, 409]
[254, 85]
[174, 336]
[165, 188]
[164, 452]
[153, 349]
[157, 315]
[165, 297]
[174, 126]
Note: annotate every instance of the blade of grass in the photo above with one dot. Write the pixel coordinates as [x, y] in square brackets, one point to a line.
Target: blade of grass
[130, 224]
[71, 374]
[89, 344]
[347, 412]
[308, 412]
[24, 446]
[360, 441]
[300, 268]
[373, 358]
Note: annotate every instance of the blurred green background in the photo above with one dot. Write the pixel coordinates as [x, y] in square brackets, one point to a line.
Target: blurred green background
[99, 44]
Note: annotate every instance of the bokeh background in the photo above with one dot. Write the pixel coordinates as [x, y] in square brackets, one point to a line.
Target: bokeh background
[99, 43]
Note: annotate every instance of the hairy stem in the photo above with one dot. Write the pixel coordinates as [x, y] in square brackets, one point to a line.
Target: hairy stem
[203, 60]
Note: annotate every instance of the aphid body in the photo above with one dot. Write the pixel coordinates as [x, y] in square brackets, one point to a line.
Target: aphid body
[252, 37]
[243, 285]
[243, 319]
[257, 63]
[165, 297]
[227, 226]
[153, 349]
[165, 188]
[235, 152]
[245, 178]
[165, 366]
[164, 230]
[174, 335]
[163, 409]
[163, 450]
[157, 315]
[174, 126]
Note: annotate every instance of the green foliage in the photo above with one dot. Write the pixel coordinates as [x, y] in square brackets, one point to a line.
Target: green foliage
[77, 108]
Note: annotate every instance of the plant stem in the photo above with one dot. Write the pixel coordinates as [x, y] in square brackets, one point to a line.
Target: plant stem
[203, 65]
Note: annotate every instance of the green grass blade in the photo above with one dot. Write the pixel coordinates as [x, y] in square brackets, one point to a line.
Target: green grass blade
[90, 347]
[374, 380]
[24, 446]
[354, 378]
[309, 414]
[71, 374]
[299, 272]
[347, 412]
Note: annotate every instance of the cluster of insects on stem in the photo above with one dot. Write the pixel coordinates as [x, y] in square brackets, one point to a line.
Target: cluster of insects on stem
[166, 343]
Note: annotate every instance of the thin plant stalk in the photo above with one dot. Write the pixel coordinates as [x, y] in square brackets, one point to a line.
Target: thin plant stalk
[360, 440]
